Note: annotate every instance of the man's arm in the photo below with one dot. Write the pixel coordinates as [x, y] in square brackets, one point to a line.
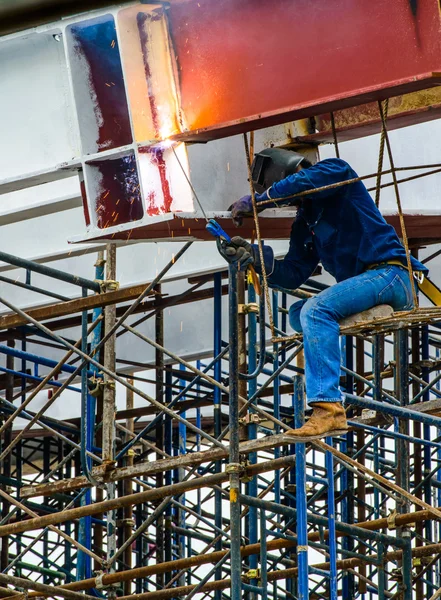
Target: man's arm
[296, 267]
[325, 172]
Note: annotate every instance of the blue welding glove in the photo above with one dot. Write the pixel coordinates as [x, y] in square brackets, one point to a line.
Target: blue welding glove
[244, 208]
[237, 251]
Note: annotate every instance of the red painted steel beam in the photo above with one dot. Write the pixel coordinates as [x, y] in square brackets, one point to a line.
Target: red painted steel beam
[248, 64]
[426, 228]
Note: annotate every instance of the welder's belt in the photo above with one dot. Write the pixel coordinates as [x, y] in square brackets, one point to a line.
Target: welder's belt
[425, 285]
[418, 275]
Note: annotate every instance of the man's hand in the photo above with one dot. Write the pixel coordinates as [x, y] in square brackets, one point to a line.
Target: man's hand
[244, 208]
[241, 208]
[237, 251]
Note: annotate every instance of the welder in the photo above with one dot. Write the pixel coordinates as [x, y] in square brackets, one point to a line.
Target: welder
[341, 228]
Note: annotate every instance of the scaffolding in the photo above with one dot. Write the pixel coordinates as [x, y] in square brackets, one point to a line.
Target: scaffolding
[198, 491]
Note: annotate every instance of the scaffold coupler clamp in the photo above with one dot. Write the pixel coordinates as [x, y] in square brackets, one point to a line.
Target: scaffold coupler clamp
[99, 585]
[234, 468]
[95, 386]
[245, 309]
[100, 262]
[391, 524]
[109, 285]
[251, 574]
[244, 476]
[250, 419]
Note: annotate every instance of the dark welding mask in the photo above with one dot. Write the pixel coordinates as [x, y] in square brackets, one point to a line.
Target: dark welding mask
[272, 165]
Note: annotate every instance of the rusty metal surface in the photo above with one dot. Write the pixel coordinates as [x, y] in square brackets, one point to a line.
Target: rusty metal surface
[233, 77]
[360, 121]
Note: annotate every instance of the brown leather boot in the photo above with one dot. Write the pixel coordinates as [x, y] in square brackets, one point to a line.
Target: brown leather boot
[328, 418]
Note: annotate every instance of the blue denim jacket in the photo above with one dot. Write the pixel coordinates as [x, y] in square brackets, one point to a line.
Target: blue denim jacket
[341, 228]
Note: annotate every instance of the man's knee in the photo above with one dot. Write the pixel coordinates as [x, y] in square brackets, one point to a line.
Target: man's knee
[294, 315]
[307, 312]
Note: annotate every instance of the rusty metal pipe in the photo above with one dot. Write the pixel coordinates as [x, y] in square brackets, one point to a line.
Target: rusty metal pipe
[278, 544]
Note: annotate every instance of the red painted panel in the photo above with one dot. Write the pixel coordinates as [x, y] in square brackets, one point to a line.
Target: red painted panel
[248, 63]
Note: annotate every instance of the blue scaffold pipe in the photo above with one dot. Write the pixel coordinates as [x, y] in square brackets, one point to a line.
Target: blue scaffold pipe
[395, 411]
[35, 358]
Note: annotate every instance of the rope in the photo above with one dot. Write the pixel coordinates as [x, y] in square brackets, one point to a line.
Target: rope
[334, 135]
[400, 210]
[381, 155]
[338, 184]
[258, 236]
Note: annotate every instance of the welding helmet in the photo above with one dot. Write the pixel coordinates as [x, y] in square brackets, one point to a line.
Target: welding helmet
[272, 165]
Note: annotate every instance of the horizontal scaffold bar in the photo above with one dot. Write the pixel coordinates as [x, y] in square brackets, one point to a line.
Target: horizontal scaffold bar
[213, 557]
[142, 469]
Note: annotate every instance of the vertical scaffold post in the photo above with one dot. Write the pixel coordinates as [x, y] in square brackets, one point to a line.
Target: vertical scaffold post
[301, 501]
[159, 431]
[252, 486]
[168, 447]
[128, 489]
[234, 458]
[109, 406]
[427, 434]
[378, 354]
[217, 413]
[85, 526]
[346, 477]
[6, 471]
[402, 448]
[332, 539]
[88, 410]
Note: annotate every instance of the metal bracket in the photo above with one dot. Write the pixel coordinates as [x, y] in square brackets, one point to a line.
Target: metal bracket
[391, 520]
[245, 309]
[250, 419]
[109, 285]
[122, 522]
[252, 574]
[100, 262]
[234, 468]
[245, 478]
[99, 581]
[97, 385]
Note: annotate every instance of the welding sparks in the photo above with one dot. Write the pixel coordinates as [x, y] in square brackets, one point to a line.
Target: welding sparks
[165, 144]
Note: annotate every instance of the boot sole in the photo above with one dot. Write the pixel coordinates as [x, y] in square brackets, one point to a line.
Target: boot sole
[296, 439]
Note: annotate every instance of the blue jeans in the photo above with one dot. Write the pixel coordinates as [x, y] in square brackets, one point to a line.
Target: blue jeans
[318, 318]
